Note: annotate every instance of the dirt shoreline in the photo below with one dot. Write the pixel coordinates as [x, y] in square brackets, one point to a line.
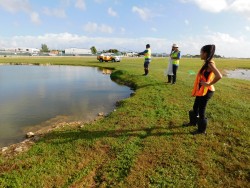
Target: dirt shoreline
[25, 145]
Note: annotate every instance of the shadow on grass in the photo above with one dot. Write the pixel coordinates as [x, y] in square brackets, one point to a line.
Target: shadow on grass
[153, 84]
[71, 135]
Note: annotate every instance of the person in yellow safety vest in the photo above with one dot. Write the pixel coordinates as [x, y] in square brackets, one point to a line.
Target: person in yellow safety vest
[175, 58]
[203, 89]
[147, 58]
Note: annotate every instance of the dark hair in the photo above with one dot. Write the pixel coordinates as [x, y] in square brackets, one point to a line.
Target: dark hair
[148, 46]
[210, 50]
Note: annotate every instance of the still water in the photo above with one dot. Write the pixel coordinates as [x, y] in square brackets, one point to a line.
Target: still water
[32, 95]
[239, 74]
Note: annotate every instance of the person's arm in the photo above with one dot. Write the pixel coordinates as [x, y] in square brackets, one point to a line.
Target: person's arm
[217, 74]
[142, 53]
[179, 55]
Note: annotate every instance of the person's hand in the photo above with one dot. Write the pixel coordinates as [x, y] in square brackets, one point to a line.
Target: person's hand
[206, 84]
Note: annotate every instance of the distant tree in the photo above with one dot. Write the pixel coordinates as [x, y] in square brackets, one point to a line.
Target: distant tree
[44, 48]
[113, 50]
[93, 50]
[196, 56]
[217, 56]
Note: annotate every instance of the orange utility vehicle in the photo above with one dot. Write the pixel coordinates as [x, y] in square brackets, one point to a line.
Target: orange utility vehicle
[108, 57]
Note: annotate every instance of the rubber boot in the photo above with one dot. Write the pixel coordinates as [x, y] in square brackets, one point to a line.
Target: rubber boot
[174, 79]
[202, 126]
[169, 78]
[146, 72]
[192, 119]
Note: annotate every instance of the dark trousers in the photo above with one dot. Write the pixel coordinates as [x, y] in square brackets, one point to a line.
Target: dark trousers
[200, 104]
[146, 65]
[175, 67]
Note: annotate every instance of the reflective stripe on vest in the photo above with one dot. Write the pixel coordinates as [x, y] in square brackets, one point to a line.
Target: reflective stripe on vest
[175, 55]
[148, 54]
[199, 90]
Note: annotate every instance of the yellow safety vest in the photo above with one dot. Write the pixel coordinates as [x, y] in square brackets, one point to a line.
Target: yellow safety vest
[148, 54]
[199, 90]
[175, 55]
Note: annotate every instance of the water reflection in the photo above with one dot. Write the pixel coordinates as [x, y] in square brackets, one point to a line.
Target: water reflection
[31, 95]
[106, 71]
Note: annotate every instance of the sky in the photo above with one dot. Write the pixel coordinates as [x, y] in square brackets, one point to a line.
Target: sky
[128, 25]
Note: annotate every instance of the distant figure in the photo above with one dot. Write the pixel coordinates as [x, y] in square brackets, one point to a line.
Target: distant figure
[147, 56]
[203, 89]
[170, 67]
[175, 58]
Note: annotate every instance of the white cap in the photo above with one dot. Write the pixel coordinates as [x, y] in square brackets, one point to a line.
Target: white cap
[175, 46]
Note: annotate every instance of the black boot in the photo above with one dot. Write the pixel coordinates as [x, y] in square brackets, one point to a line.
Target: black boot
[146, 71]
[202, 126]
[174, 79]
[169, 78]
[192, 119]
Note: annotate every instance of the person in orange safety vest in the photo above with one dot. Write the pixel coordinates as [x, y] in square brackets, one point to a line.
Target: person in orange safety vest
[203, 89]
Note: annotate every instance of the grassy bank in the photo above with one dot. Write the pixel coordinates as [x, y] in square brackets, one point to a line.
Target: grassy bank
[143, 143]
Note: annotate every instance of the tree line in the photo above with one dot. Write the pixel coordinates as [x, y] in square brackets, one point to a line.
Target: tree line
[45, 49]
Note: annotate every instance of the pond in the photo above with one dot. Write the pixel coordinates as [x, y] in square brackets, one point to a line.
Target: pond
[239, 74]
[32, 95]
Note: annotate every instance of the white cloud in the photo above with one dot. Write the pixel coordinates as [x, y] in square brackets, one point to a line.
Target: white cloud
[80, 4]
[211, 5]
[144, 13]
[206, 28]
[35, 17]
[123, 30]
[60, 13]
[111, 12]
[105, 28]
[241, 6]
[154, 29]
[15, 6]
[224, 37]
[90, 27]
[216, 6]
[186, 22]
[226, 45]
[247, 28]
[65, 40]
[94, 27]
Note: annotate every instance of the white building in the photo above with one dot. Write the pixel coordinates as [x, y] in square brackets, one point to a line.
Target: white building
[23, 50]
[77, 51]
[131, 54]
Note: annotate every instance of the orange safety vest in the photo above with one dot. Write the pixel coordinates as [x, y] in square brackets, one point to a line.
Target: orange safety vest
[202, 90]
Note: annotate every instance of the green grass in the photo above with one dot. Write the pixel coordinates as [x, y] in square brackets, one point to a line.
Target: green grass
[142, 143]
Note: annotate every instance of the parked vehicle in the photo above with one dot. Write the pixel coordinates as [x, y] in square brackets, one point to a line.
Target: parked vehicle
[132, 54]
[109, 57]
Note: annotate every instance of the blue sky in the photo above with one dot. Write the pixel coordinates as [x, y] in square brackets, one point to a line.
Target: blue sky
[128, 24]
